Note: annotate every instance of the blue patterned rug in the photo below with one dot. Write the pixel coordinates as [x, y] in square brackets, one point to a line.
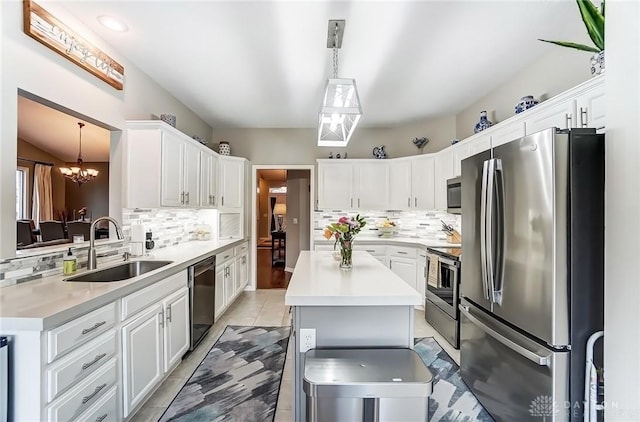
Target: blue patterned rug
[238, 380]
[450, 399]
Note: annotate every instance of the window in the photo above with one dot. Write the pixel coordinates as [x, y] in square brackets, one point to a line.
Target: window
[22, 180]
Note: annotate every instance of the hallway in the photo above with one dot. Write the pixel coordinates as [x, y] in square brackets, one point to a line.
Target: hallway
[270, 277]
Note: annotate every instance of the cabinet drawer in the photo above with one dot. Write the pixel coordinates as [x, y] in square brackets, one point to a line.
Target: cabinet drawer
[84, 395]
[105, 409]
[224, 256]
[375, 250]
[148, 296]
[242, 248]
[64, 338]
[79, 364]
[402, 251]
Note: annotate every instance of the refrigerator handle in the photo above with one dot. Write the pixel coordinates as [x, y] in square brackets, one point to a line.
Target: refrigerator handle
[483, 228]
[498, 268]
[521, 350]
[489, 231]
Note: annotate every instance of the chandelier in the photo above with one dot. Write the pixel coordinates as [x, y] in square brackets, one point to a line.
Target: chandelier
[341, 109]
[79, 174]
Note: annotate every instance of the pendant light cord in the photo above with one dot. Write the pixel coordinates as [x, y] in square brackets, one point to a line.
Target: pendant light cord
[80, 148]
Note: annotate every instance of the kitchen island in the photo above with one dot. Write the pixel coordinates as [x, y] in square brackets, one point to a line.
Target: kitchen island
[368, 306]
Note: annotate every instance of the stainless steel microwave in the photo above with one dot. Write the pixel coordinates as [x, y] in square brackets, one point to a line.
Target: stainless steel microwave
[454, 195]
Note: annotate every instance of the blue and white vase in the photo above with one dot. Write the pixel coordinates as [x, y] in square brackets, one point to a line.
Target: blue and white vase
[483, 124]
[526, 103]
[224, 148]
[379, 152]
[597, 63]
[169, 119]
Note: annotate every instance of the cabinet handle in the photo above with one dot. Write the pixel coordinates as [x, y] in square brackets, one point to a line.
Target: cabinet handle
[316, 204]
[161, 314]
[92, 395]
[408, 202]
[351, 203]
[567, 119]
[182, 198]
[402, 253]
[187, 198]
[214, 199]
[96, 325]
[358, 202]
[223, 201]
[93, 362]
[102, 417]
[583, 112]
[169, 313]
[415, 200]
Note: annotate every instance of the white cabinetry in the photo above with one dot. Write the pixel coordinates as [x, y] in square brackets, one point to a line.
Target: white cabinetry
[231, 186]
[335, 180]
[371, 185]
[443, 170]
[591, 108]
[560, 114]
[155, 338]
[242, 272]
[208, 179]
[225, 280]
[405, 268]
[411, 183]
[503, 134]
[179, 171]
[421, 273]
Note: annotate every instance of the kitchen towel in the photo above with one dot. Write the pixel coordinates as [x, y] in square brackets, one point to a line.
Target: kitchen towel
[434, 264]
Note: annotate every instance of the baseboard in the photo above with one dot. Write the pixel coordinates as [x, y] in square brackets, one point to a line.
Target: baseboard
[288, 269]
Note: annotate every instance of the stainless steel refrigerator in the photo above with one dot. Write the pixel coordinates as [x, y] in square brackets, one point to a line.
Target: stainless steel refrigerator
[532, 279]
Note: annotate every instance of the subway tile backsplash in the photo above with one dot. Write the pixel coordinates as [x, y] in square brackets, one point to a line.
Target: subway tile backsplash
[169, 227]
[412, 224]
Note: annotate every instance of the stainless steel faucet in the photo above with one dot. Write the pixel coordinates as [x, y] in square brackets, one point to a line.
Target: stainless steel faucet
[92, 260]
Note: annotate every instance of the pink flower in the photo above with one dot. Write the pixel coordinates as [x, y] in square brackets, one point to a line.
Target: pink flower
[343, 220]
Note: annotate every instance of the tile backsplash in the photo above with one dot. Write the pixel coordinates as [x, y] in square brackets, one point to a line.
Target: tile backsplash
[169, 227]
[414, 224]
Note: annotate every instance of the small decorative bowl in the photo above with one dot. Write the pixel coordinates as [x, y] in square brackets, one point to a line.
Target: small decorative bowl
[387, 231]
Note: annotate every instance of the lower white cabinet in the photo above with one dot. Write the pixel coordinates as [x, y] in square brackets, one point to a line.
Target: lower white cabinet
[405, 268]
[227, 286]
[104, 410]
[219, 299]
[229, 282]
[142, 356]
[242, 272]
[152, 343]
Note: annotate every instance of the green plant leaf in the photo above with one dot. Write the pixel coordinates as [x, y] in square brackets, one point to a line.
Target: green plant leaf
[593, 21]
[573, 45]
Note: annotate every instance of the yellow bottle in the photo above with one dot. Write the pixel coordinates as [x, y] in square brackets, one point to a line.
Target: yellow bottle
[69, 264]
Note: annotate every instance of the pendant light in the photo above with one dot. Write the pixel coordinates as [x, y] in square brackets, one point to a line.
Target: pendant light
[341, 109]
[79, 174]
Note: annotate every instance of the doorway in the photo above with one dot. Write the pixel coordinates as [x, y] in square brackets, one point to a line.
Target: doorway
[281, 222]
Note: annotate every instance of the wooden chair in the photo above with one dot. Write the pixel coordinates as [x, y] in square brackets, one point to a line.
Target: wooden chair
[52, 230]
[79, 228]
[25, 234]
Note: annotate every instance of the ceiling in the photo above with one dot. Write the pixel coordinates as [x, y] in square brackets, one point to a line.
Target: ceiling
[263, 64]
[58, 134]
[273, 175]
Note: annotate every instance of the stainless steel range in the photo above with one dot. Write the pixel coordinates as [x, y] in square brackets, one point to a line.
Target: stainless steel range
[442, 290]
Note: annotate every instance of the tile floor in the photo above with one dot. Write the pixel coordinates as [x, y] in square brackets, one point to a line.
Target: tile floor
[261, 307]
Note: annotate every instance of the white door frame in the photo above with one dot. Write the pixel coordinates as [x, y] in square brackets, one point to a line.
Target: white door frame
[253, 279]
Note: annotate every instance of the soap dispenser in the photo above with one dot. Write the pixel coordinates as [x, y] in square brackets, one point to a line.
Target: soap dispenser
[69, 264]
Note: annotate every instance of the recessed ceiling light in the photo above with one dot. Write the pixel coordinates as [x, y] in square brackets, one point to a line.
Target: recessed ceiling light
[112, 23]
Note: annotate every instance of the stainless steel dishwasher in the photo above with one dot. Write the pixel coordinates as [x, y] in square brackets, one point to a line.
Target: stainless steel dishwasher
[202, 291]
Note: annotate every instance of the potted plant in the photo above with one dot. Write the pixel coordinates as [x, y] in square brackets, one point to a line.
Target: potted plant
[593, 19]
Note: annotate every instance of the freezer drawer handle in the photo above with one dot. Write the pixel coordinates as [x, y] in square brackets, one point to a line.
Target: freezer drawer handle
[532, 356]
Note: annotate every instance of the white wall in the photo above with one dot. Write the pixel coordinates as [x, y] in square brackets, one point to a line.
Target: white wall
[28, 65]
[298, 146]
[622, 208]
[557, 71]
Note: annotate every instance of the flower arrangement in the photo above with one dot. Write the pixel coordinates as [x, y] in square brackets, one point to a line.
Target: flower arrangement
[344, 231]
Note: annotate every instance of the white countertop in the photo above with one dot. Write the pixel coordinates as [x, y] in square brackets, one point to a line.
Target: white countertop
[401, 241]
[48, 302]
[318, 281]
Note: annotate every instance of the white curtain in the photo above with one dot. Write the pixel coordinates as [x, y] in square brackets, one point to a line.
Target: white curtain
[42, 196]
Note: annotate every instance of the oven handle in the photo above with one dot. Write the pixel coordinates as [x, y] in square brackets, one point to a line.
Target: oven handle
[446, 261]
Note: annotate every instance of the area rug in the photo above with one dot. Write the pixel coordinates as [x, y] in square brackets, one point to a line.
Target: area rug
[238, 380]
[451, 400]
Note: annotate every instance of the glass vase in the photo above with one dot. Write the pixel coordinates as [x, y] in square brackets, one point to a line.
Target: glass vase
[346, 253]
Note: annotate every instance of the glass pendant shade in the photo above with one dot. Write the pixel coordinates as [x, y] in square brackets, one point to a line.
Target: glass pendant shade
[339, 114]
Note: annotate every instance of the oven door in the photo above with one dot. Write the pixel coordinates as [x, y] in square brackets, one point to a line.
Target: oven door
[444, 294]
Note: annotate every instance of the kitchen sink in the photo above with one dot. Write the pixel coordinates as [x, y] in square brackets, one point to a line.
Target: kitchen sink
[120, 272]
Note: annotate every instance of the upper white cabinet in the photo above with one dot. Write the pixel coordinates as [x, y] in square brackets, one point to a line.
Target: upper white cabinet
[371, 185]
[400, 184]
[590, 107]
[231, 186]
[166, 168]
[335, 180]
[560, 114]
[443, 168]
[502, 135]
[180, 172]
[209, 175]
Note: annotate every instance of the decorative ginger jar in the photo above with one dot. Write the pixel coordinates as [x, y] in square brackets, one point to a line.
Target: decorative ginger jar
[526, 103]
[483, 124]
[224, 148]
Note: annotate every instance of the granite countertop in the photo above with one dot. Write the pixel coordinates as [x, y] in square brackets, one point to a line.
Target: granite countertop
[318, 281]
[48, 302]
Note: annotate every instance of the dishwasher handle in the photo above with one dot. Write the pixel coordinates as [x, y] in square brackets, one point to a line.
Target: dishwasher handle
[203, 266]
